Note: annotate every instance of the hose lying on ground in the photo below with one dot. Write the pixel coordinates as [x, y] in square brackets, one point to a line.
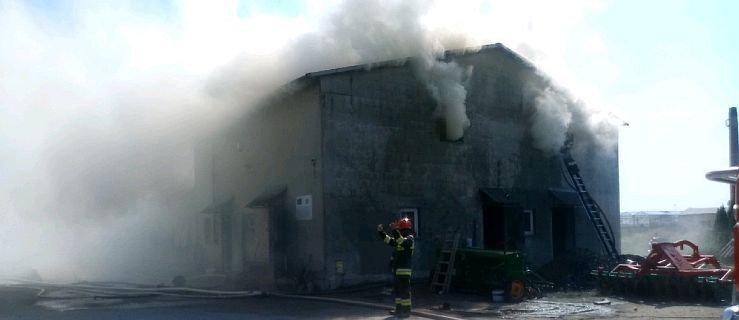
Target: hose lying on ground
[136, 292]
[123, 292]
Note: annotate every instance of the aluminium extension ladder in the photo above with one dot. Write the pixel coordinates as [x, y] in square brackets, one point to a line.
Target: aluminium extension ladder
[445, 266]
[593, 210]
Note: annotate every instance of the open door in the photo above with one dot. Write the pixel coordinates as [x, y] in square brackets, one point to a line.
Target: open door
[493, 227]
[263, 245]
[502, 221]
[563, 229]
[565, 205]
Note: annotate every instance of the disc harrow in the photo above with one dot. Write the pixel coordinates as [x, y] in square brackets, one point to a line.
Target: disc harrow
[667, 273]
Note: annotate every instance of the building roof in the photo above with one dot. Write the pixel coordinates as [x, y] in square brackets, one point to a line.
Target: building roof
[402, 61]
[300, 82]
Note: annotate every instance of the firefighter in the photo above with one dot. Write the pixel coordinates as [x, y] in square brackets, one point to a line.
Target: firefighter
[402, 242]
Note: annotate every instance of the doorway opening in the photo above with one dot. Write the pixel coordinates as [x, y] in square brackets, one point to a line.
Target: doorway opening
[563, 229]
[502, 221]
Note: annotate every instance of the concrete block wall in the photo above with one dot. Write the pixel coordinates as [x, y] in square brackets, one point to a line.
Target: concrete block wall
[365, 144]
[382, 152]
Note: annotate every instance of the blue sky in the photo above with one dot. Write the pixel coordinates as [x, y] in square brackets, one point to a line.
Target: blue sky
[677, 76]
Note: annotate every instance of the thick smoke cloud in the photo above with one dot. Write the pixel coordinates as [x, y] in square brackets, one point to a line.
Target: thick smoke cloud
[445, 81]
[556, 114]
[385, 30]
[96, 137]
[100, 104]
[552, 117]
[364, 32]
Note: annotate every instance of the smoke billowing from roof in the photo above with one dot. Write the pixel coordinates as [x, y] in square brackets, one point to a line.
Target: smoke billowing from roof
[556, 114]
[101, 103]
[363, 32]
[383, 30]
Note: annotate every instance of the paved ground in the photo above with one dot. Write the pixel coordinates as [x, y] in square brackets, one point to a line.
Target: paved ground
[23, 304]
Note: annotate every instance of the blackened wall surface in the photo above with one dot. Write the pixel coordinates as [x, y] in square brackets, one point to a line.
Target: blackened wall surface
[365, 144]
[382, 152]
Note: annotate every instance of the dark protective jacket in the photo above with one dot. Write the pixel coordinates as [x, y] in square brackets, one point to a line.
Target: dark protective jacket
[402, 250]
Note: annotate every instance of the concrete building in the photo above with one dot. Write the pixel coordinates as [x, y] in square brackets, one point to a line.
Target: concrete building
[694, 217]
[292, 193]
[698, 225]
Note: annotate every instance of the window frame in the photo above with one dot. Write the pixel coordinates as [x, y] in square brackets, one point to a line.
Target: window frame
[529, 229]
[411, 213]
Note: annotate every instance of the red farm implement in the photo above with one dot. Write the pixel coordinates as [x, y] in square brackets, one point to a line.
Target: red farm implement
[668, 273]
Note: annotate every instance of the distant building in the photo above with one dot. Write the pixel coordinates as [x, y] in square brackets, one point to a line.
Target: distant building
[698, 217]
[292, 194]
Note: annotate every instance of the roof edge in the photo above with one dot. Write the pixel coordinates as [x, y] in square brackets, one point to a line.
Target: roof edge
[402, 61]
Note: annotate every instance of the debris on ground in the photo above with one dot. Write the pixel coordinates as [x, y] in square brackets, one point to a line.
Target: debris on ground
[571, 270]
[550, 309]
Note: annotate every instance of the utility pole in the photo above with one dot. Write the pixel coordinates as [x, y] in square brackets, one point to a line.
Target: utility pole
[733, 150]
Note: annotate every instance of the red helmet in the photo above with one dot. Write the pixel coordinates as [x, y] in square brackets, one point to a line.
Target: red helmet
[405, 223]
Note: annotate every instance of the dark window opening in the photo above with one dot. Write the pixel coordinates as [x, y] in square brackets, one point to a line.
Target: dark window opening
[441, 130]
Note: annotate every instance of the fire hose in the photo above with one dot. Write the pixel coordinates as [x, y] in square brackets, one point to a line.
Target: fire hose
[99, 291]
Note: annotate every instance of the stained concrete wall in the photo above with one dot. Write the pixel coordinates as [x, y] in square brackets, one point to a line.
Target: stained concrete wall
[365, 144]
[274, 146]
[207, 248]
[287, 136]
[382, 152]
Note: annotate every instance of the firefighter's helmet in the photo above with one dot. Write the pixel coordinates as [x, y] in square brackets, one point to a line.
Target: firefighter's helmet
[405, 223]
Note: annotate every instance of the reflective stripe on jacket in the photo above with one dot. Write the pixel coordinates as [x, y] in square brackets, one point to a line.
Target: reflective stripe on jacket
[402, 249]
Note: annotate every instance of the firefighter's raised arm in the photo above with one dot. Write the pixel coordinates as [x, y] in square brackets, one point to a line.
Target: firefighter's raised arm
[389, 240]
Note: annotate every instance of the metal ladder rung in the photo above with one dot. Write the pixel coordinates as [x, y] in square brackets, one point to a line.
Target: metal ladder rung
[446, 258]
[594, 212]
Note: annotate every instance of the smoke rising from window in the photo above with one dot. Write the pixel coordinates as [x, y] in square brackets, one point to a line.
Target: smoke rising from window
[556, 113]
[100, 104]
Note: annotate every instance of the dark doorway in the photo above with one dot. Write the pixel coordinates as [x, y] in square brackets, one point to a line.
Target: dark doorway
[502, 227]
[563, 229]
[493, 224]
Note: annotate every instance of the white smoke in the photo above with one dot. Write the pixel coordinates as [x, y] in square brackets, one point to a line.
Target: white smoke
[556, 114]
[552, 117]
[365, 32]
[100, 104]
[392, 29]
[445, 81]
[99, 108]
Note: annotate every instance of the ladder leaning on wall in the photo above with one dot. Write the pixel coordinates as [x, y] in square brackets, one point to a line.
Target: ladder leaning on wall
[596, 215]
[444, 271]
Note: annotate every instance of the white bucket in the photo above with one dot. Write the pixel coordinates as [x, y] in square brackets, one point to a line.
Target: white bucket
[497, 295]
